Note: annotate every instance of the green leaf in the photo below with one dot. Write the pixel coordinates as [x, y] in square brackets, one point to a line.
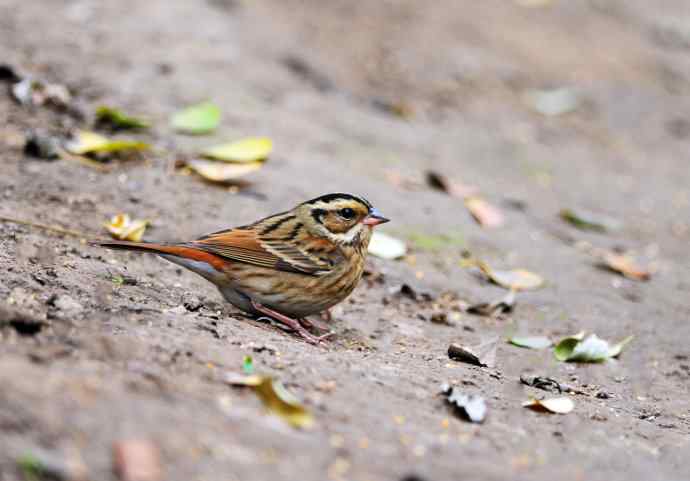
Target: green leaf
[589, 349]
[197, 119]
[588, 221]
[531, 342]
[118, 119]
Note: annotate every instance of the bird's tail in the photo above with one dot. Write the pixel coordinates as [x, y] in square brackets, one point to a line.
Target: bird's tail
[168, 251]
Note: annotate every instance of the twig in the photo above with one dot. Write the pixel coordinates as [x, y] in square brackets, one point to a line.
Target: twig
[49, 228]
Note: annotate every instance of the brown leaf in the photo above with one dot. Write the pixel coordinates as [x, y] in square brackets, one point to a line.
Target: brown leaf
[484, 213]
[483, 354]
[625, 266]
[438, 181]
[516, 279]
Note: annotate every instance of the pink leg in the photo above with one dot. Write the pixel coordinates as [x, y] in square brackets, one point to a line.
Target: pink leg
[290, 322]
[327, 315]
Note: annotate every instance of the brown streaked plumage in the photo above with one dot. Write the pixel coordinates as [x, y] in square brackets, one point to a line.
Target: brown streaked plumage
[286, 266]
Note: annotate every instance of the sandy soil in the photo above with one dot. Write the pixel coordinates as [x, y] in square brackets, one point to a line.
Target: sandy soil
[323, 80]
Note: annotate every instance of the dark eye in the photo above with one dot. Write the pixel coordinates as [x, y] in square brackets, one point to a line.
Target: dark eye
[347, 213]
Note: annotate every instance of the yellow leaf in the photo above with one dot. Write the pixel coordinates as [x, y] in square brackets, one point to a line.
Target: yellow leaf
[251, 149]
[222, 172]
[122, 227]
[276, 398]
[85, 142]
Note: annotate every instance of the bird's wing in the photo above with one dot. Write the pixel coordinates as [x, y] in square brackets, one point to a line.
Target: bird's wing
[279, 243]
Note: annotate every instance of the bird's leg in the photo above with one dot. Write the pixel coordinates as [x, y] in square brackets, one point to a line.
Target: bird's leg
[327, 315]
[290, 322]
[313, 324]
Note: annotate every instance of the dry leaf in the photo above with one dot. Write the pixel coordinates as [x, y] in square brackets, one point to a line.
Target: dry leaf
[588, 221]
[438, 181]
[123, 228]
[517, 279]
[483, 212]
[276, 398]
[251, 149]
[116, 119]
[386, 247]
[625, 266]
[221, 171]
[557, 405]
[483, 355]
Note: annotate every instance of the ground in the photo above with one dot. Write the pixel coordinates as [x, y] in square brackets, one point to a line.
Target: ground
[356, 96]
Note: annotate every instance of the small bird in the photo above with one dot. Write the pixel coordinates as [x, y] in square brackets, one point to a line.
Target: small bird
[286, 266]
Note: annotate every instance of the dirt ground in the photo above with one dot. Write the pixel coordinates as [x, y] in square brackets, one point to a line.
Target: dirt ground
[328, 82]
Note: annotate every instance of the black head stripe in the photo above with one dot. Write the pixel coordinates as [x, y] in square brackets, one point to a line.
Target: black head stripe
[317, 214]
[328, 198]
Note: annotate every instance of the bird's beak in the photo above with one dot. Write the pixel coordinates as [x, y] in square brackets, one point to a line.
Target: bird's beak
[374, 218]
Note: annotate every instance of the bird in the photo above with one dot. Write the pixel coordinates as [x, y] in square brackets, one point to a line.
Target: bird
[286, 266]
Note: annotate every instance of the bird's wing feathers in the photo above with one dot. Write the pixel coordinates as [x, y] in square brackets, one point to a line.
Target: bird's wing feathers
[269, 243]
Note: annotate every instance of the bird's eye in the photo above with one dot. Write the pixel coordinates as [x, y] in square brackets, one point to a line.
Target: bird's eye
[347, 213]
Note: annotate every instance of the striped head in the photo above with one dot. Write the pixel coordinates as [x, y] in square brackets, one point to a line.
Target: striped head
[344, 219]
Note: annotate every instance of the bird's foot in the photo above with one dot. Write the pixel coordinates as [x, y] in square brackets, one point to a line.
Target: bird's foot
[290, 322]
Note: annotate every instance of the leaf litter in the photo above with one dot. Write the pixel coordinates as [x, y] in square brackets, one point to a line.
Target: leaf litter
[471, 407]
[221, 172]
[199, 119]
[86, 142]
[581, 348]
[276, 398]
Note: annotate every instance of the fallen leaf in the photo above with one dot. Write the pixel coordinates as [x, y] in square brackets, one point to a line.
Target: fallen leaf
[386, 247]
[517, 279]
[472, 407]
[483, 354]
[85, 142]
[531, 342]
[276, 398]
[116, 119]
[505, 304]
[554, 102]
[588, 349]
[625, 266]
[438, 181]
[588, 221]
[220, 171]
[137, 460]
[557, 405]
[197, 119]
[484, 213]
[123, 228]
[249, 150]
